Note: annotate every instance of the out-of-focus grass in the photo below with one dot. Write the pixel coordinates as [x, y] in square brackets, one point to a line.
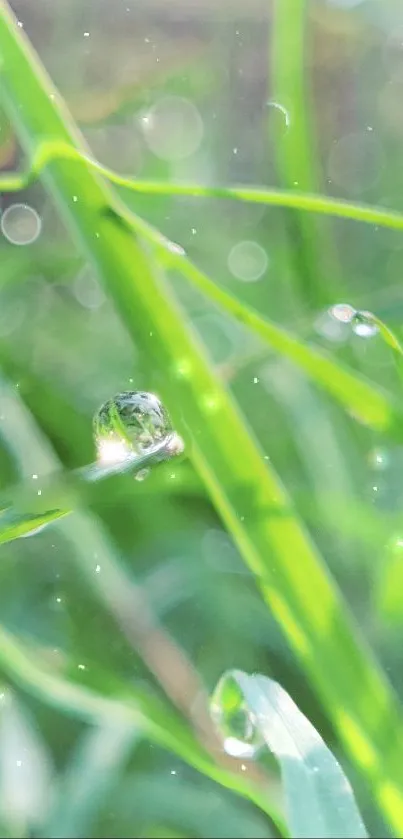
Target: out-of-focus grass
[190, 569]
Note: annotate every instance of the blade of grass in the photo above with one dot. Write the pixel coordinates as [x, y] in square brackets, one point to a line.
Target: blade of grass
[247, 494]
[49, 151]
[141, 711]
[364, 400]
[311, 245]
[318, 797]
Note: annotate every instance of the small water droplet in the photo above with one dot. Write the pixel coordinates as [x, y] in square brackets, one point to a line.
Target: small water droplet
[20, 24]
[97, 569]
[86, 34]
[194, 231]
[342, 312]
[75, 198]
[173, 772]
[233, 720]
[363, 325]
[19, 762]
[255, 380]
[140, 476]
[235, 150]
[175, 248]
[282, 110]
[39, 492]
[34, 477]
[378, 459]
[133, 422]
[82, 667]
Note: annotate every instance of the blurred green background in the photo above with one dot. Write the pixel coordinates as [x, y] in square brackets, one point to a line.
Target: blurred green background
[191, 90]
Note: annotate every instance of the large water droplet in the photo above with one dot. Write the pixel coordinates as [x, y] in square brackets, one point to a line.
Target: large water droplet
[234, 721]
[343, 312]
[363, 325]
[133, 422]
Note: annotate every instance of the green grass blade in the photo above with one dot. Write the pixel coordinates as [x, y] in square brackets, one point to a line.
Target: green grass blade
[142, 712]
[297, 199]
[312, 248]
[318, 797]
[364, 400]
[248, 495]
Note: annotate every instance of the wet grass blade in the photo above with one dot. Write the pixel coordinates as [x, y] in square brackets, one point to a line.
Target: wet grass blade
[142, 712]
[296, 199]
[247, 493]
[319, 800]
[362, 399]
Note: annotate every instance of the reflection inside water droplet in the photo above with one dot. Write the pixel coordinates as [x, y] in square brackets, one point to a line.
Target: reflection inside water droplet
[234, 721]
[363, 325]
[133, 422]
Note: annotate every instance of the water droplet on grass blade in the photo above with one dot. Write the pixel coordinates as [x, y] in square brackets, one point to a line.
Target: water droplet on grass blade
[363, 325]
[142, 475]
[342, 312]
[234, 721]
[133, 423]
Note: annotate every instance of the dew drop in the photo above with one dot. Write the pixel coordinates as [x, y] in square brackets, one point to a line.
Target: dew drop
[175, 248]
[234, 721]
[378, 459]
[133, 422]
[142, 474]
[363, 325]
[282, 110]
[342, 312]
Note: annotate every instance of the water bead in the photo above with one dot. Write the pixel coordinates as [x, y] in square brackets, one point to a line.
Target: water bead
[133, 422]
[363, 325]
[234, 721]
[343, 312]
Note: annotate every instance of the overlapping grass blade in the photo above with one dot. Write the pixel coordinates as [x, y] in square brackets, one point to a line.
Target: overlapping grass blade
[319, 798]
[364, 400]
[248, 495]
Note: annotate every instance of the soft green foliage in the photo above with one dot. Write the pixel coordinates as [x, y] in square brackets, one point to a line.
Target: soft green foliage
[137, 631]
[319, 799]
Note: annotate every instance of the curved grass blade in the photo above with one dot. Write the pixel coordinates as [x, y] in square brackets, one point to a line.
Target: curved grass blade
[318, 797]
[49, 151]
[142, 712]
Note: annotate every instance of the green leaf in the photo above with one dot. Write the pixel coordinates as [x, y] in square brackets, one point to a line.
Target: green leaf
[319, 800]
